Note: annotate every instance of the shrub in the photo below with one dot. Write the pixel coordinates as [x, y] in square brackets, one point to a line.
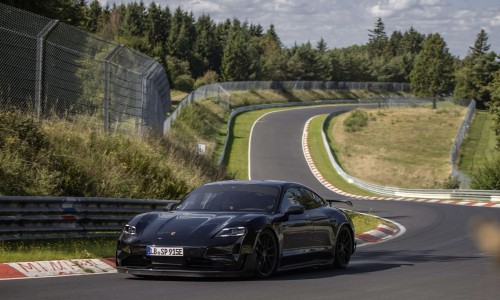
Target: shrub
[207, 78]
[356, 120]
[184, 83]
[451, 183]
[488, 177]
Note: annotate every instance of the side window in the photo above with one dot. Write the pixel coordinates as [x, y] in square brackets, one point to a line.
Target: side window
[290, 198]
[310, 200]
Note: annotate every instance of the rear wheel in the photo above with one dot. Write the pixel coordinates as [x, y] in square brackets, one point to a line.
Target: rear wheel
[343, 248]
[266, 252]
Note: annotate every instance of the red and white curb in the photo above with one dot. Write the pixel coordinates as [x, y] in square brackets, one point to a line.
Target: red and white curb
[328, 185]
[54, 268]
[382, 233]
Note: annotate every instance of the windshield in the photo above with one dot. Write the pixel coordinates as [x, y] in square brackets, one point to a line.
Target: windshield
[232, 197]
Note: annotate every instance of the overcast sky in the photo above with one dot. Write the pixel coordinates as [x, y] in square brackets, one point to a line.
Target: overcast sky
[343, 23]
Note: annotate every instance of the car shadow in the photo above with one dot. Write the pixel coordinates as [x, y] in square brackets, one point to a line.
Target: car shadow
[362, 263]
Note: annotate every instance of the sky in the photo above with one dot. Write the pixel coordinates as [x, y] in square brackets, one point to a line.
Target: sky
[342, 23]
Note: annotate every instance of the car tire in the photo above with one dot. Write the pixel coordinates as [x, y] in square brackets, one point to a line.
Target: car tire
[344, 246]
[266, 254]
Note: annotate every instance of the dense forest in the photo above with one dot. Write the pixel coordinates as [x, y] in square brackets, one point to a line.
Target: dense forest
[197, 50]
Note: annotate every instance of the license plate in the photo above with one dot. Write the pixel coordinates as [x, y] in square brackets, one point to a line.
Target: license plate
[164, 251]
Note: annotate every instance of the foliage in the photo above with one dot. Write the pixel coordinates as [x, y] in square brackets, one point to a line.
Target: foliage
[494, 104]
[451, 183]
[356, 120]
[488, 177]
[432, 73]
[184, 83]
[476, 72]
[64, 159]
[208, 78]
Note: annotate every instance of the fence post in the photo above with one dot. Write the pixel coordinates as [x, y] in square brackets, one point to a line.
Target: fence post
[107, 78]
[146, 94]
[39, 78]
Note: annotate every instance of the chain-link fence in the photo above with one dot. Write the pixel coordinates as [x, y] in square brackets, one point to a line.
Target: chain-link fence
[48, 68]
[463, 178]
[316, 85]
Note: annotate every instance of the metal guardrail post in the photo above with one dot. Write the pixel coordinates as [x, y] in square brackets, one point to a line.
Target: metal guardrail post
[40, 55]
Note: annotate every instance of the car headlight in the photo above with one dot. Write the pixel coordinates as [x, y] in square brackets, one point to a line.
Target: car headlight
[129, 229]
[232, 231]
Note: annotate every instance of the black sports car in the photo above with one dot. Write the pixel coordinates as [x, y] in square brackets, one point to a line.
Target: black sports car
[231, 228]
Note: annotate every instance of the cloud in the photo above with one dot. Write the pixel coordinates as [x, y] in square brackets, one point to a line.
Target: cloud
[394, 8]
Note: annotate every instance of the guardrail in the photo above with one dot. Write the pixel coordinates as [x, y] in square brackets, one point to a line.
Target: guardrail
[481, 195]
[25, 218]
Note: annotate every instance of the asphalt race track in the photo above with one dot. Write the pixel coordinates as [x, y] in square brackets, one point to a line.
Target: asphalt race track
[435, 259]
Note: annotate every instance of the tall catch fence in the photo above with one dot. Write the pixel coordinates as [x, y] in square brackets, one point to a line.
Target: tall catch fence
[316, 85]
[50, 69]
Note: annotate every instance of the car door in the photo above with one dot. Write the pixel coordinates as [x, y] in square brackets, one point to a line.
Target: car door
[297, 231]
[323, 229]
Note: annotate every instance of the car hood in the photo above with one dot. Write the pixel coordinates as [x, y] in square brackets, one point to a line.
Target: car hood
[180, 225]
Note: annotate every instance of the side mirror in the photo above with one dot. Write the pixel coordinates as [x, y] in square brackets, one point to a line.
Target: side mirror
[171, 205]
[295, 210]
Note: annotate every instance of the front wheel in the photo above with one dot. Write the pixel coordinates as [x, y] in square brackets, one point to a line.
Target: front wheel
[266, 252]
[343, 248]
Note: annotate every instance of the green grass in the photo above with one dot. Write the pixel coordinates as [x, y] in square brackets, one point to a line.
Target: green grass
[478, 148]
[19, 251]
[363, 222]
[321, 159]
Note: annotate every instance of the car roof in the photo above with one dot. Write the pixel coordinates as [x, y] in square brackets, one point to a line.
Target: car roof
[276, 183]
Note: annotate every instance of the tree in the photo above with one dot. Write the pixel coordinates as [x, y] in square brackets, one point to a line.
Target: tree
[412, 41]
[432, 74]
[321, 46]
[476, 72]
[236, 59]
[302, 63]
[271, 33]
[377, 39]
[494, 104]
[207, 49]
[71, 12]
[272, 60]
[94, 16]
[481, 45]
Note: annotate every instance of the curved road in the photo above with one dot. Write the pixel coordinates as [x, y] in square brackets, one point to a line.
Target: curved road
[435, 259]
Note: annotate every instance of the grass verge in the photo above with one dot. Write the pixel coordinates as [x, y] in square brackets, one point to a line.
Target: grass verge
[478, 148]
[322, 161]
[19, 251]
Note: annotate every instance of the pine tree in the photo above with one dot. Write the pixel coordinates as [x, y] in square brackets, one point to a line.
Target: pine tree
[377, 39]
[93, 16]
[476, 72]
[481, 45]
[271, 33]
[321, 46]
[494, 104]
[432, 74]
[206, 48]
[236, 63]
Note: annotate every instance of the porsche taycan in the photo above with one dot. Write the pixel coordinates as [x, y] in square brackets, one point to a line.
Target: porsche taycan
[233, 228]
